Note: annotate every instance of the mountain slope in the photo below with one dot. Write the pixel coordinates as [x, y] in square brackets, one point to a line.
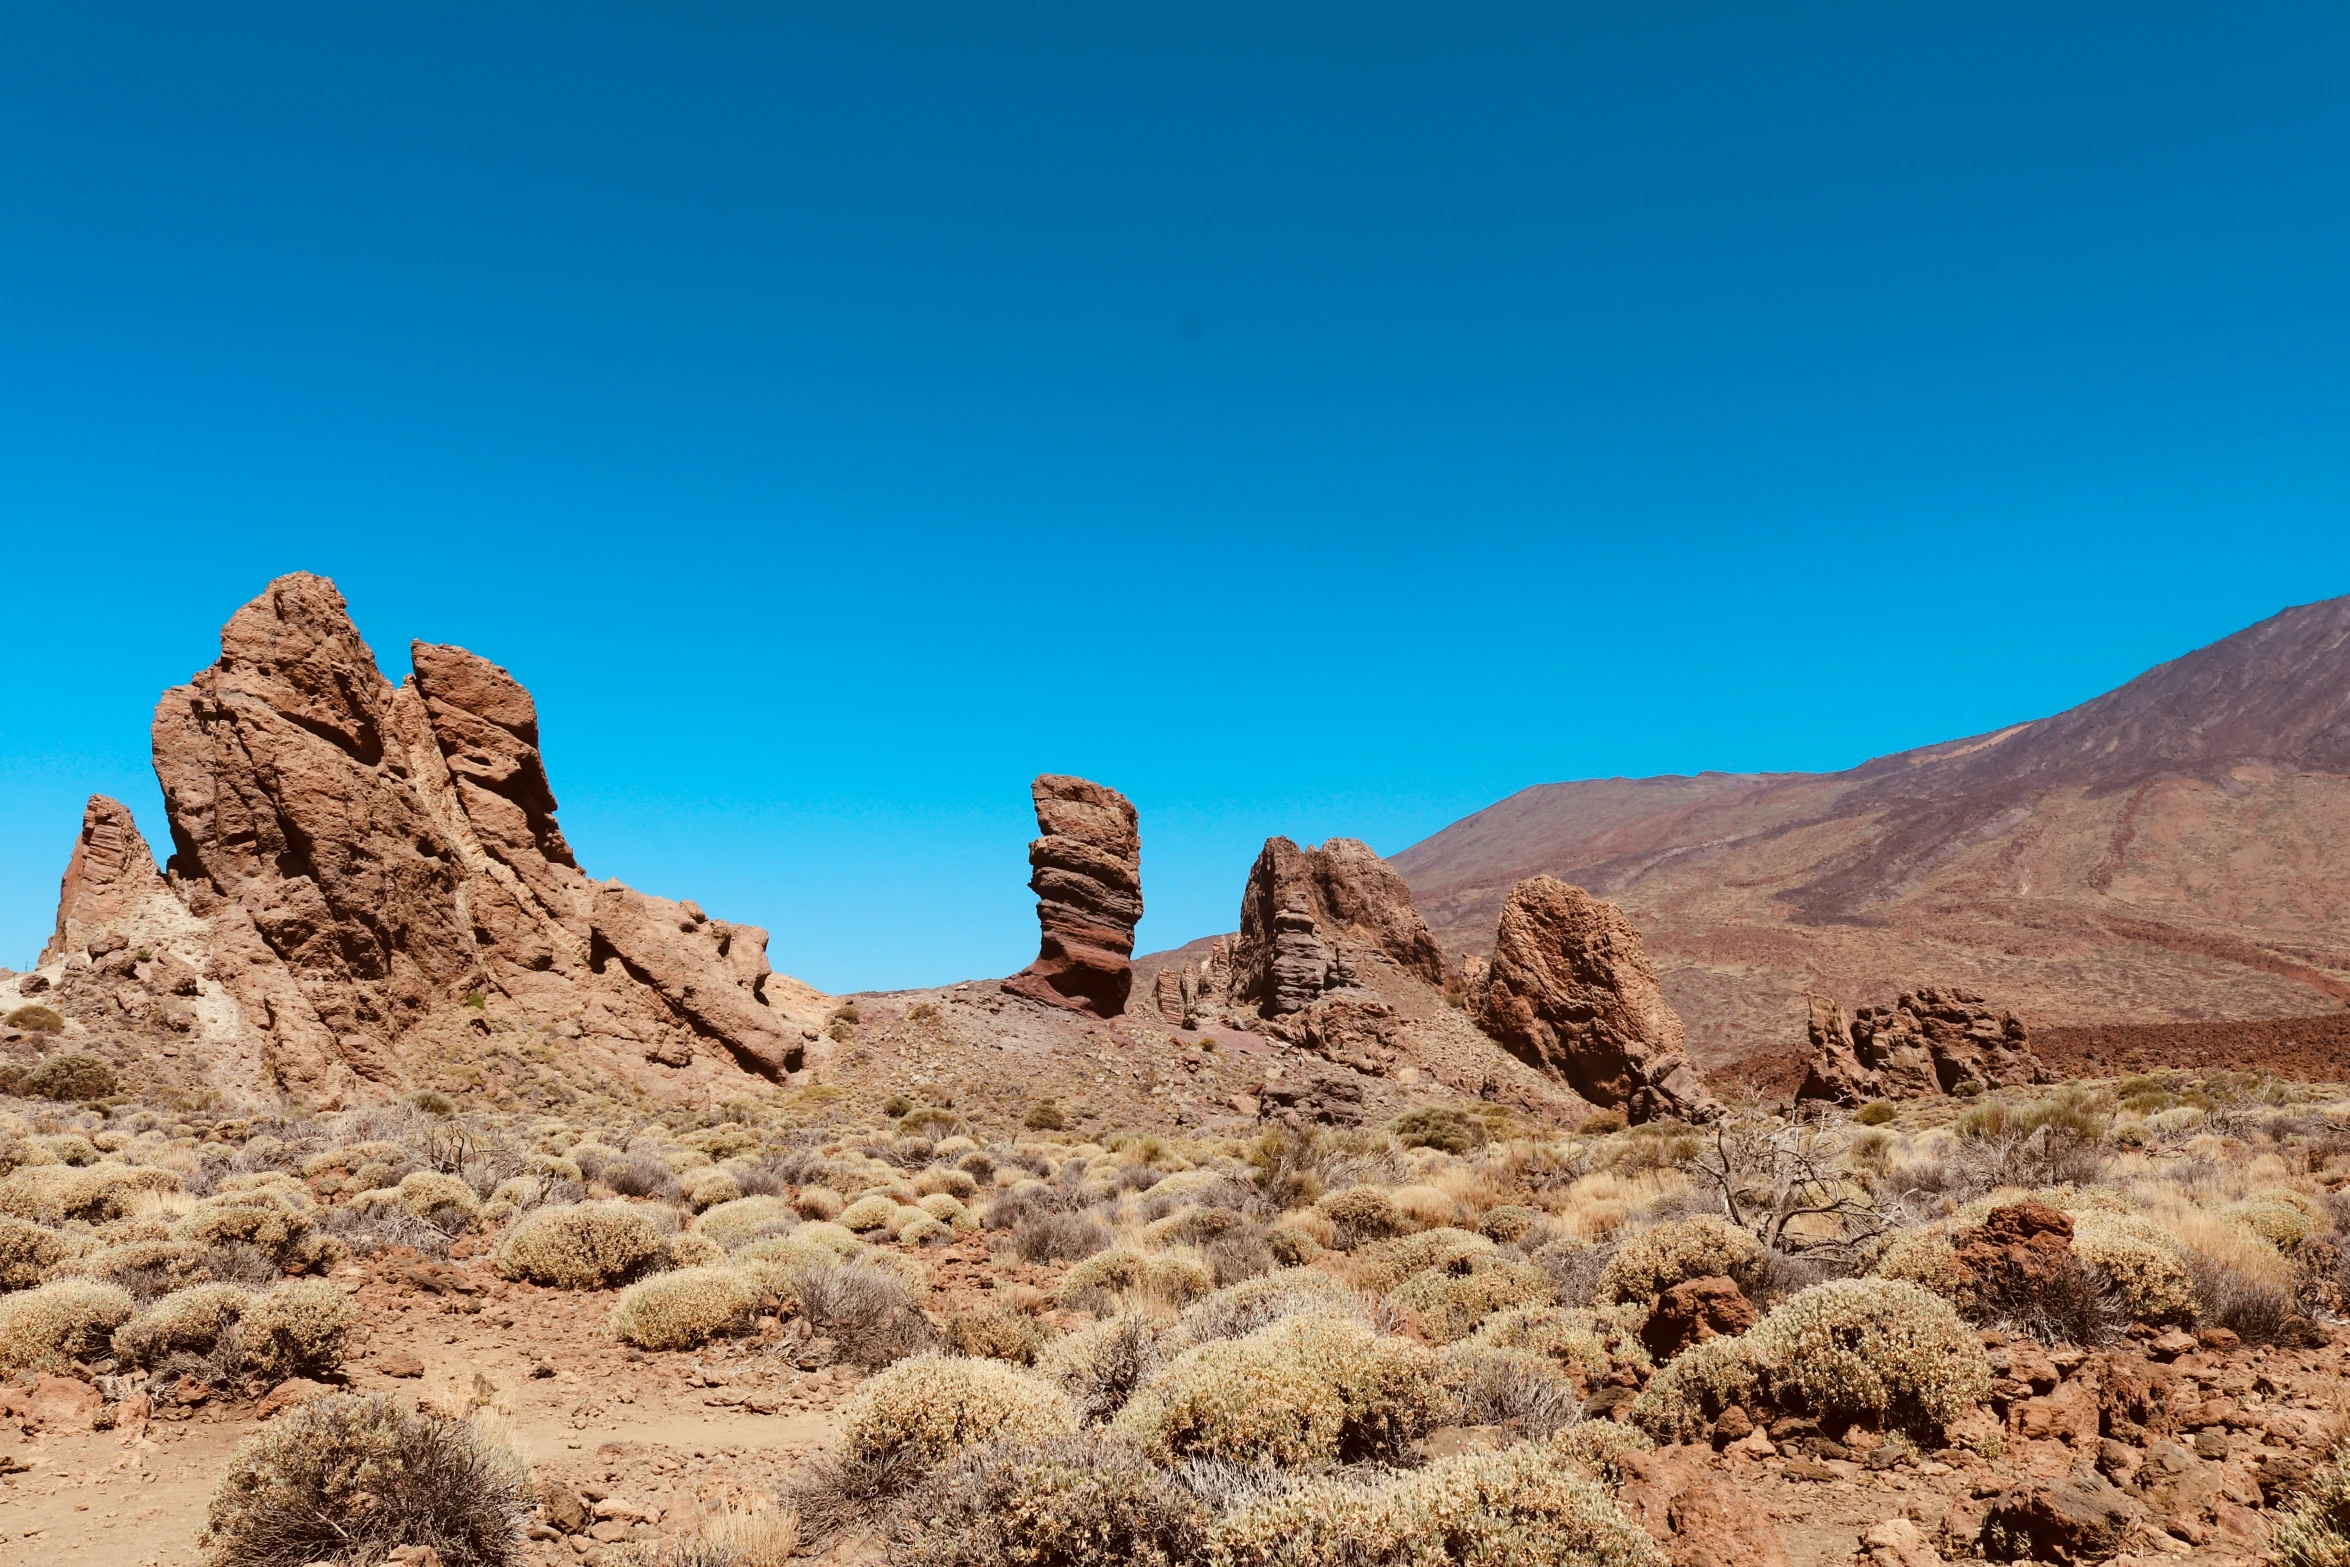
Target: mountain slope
[2177, 849]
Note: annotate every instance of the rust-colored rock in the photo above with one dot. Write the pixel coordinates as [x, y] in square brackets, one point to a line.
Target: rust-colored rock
[1087, 877]
[352, 859]
[1310, 917]
[2020, 1251]
[107, 881]
[1571, 993]
[1692, 1312]
[1699, 1518]
[1926, 1043]
[2081, 1517]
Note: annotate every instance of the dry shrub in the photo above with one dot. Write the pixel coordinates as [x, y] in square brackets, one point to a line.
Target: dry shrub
[585, 1245]
[708, 1188]
[1242, 1309]
[72, 1319]
[750, 1537]
[869, 1212]
[348, 1480]
[186, 1322]
[1384, 1265]
[868, 1311]
[2143, 1261]
[1160, 1276]
[685, 1308]
[1101, 1364]
[1876, 1349]
[1232, 1259]
[638, 1175]
[1485, 1510]
[1427, 1207]
[1060, 1237]
[302, 1328]
[277, 1219]
[996, 1332]
[1070, 1501]
[1487, 1386]
[28, 1252]
[819, 1202]
[1597, 1447]
[423, 1192]
[2315, 1532]
[1306, 1389]
[686, 1249]
[1361, 1214]
[1657, 1258]
[1511, 1222]
[933, 1406]
[1583, 1344]
[947, 1208]
[1451, 1304]
[941, 1181]
[53, 1193]
[68, 1075]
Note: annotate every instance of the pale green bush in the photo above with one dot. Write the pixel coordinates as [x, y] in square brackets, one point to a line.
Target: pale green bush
[869, 1212]
[2316, 1531]
[685, 1308]
[301, 1328]
[1657, 1258]
[1924, 1256]
[688, 1249]
[1165, 1276]
[1598, 1448]
[1508, 1509]
[932, 1406]
[1578, 1340]
[583, 1245]
[921, 1229]
[2282, 1217]
[1243, 1308]
[187, 1321]
[947, 1208]
[746, 1219]
[71, 1319]
[708, 1188]
[1306, 1389]
[1383, 1265]
[1852, 1348]
[425, 1190]
[53, 1193]
[1452, 1305]
[28, 1252]
[268, 1217]
[2144, 1261]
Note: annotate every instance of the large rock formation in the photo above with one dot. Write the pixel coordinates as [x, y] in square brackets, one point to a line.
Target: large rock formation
[1308, 917]
[1087, 877]
[1926, 1043]
[350, 859]
[1571, 992]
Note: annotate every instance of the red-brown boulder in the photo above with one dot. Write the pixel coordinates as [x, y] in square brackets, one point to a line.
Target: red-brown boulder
[1309, 918]
[1692, 1312]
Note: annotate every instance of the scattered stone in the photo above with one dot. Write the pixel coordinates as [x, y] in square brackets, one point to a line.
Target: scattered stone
[2079, 1518]
[1087, 877]
[1571, 993]
[289, 1394]
[1897, 1542]
[399, 1363]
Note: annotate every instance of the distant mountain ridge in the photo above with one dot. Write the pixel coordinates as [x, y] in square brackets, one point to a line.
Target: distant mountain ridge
[2174, 850]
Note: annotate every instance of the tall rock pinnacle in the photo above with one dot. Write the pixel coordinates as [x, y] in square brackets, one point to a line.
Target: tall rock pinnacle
[1087, 877]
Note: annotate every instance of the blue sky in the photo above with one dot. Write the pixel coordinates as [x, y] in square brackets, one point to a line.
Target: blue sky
[1308, 418]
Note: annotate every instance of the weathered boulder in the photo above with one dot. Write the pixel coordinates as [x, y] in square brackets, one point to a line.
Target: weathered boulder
[108, 881]
[1570, 992]
[1308, 918]
[1692, 1312]
[1926, 1043]
[2078, 1518]
[1087, 877]
[2019, 1250]
[1698, 1516]
[1300, 1097]
[1360, 1033]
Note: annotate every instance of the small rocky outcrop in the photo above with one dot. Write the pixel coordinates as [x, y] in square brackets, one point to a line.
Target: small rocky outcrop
[1694, 1311]
[2019, 1251]
[1571, 993]
[1087, 877]
[2080, 1517]
[1927, 1043]
[109, 879]
[1309, 917]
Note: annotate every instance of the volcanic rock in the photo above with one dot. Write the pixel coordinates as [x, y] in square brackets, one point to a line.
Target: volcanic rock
[1571, 993]
[1926, 1043]
[2021, 1252]
[1692, 1312]
[109, 879]
[1308, 915]
[350, 858]
[2081, 1517]
[1087, 877]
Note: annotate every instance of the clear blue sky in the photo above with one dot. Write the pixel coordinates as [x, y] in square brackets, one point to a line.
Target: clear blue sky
[1308, 418]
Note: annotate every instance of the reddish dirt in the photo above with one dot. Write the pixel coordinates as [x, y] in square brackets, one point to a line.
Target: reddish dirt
[2312, 1049]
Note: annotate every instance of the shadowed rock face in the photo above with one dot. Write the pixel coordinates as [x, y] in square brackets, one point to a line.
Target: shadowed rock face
[1307, 915]
[1571, 992]
[110, 876]
[362, 854]
[1925, 1044]
[1087, 877]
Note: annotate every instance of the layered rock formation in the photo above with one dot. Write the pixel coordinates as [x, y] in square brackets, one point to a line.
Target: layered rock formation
[1571, 992]
[1087, 876]
[1926, 1043]
[350, 859]
[1309, 916]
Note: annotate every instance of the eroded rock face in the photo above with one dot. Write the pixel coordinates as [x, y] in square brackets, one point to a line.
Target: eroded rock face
[1693, 1311]
[109, 879]
[357, 856]
[1571, 992]
[1308, 916]
[1926, 1043]
[1087, 876]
